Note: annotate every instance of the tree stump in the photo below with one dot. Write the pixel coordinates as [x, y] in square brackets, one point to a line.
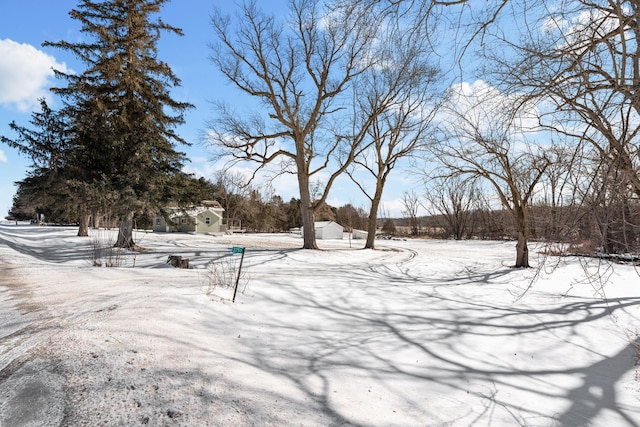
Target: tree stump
[178, 262]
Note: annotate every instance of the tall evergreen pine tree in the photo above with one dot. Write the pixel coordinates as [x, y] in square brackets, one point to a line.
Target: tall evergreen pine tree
[122, 114]
[45, 189]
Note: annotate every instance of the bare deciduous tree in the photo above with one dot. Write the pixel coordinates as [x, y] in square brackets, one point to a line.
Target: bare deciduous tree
[298, 73]
[395, 103]
[454, 199]
[233, 192]
[581, 59]
[557, 218]
[482, 138]
[410, 207]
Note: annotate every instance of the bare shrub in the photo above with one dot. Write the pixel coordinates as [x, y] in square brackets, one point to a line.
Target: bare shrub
[223, 274]
[583, 247]
[103, 252]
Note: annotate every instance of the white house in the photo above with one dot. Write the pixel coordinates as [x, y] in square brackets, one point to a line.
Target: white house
[198, 219]
[328, 230]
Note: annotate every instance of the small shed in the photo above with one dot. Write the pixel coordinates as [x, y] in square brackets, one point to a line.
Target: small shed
[359, 234]
[328, 230]
[199, 219]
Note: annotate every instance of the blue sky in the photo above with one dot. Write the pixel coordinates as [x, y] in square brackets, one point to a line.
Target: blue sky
[25, 76]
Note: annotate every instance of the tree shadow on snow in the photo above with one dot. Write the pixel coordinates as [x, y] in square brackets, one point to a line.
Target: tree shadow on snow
[597, 392]
[425, 331]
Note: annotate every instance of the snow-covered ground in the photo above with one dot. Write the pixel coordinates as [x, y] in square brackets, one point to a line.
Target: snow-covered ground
[415, 333]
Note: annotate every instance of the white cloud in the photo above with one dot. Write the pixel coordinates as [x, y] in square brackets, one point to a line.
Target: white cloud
[25, 73]
[3, 157]
[488, 110]
[578, 31]
[199, 159]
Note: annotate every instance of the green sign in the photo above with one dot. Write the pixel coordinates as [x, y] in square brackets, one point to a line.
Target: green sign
[237, 250]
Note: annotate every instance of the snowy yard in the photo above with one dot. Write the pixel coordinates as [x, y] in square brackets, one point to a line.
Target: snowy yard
[415, 333]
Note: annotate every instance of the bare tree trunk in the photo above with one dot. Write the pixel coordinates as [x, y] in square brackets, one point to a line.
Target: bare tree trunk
[522, 230]
[306, 212]
[308, 230]
[83, 227]
[522, 252]
[95, 219]
[372, 227]
[372, 224]
[125, 232]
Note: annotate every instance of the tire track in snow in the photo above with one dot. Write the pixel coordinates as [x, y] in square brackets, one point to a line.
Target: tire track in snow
[399, 270]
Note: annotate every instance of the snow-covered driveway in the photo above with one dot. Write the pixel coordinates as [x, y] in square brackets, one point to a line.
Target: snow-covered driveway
[416, 333]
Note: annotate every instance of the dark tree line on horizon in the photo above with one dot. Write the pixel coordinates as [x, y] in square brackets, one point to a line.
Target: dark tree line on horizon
[456, 211]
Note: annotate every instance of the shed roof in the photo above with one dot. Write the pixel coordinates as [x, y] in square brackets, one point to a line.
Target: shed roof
[321, 224]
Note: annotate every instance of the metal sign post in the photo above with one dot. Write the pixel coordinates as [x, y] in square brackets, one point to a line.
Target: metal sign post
[237, 250]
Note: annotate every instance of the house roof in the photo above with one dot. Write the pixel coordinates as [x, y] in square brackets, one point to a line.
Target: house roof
[195, 211]
[212, 204]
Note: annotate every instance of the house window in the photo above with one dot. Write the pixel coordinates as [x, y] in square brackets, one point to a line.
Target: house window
[183, 220]
[157, 221]
[207, 220]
